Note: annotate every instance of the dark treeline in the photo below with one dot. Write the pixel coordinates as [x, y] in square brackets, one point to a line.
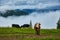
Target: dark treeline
[13, 12]
[58, 24]
[18, 12]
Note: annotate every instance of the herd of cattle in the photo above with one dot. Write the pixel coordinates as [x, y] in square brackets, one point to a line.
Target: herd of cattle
[36, 27]
[22, 26]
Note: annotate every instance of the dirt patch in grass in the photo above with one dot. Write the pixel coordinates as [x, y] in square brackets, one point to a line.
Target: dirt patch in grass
[28, 36]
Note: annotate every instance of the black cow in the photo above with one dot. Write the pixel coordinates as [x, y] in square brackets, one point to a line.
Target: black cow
[15, 25]
[25, 25]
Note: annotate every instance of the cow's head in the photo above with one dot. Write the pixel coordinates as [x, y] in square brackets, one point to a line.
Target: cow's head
[37, 25]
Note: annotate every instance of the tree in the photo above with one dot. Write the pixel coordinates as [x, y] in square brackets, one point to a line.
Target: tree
[30, 23]
[13, 13]
[58, 24]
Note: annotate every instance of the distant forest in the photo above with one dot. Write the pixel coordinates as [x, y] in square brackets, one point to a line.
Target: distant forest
[13, 13]
[18, 12]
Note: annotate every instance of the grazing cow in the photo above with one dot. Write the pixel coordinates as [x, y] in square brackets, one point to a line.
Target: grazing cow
[37, 28]
[15, 25]
[25, 25]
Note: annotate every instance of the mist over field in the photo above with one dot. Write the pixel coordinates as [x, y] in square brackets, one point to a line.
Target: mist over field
[46, 12]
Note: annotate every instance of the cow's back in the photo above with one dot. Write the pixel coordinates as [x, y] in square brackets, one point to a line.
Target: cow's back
[15, 25]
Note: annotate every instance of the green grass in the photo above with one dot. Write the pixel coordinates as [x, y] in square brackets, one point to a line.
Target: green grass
[27, 31]
[42, 39]
[29, 34]
[16, 30]
[50, 31]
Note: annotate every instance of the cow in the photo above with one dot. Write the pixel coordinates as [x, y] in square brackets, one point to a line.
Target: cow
[15, 25]
[25, 25]
[37, 28]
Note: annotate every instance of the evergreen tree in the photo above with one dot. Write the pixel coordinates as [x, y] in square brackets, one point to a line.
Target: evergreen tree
[58, 24]
[30, 23]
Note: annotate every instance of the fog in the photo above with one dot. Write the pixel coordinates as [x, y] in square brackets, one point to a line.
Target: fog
[47, 20]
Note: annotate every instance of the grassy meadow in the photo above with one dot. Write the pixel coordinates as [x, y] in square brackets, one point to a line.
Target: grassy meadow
[28, 34]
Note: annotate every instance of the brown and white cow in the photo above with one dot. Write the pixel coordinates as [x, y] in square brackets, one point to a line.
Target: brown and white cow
[37, 28]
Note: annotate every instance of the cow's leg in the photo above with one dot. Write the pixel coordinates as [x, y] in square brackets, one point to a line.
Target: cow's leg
[38, 32]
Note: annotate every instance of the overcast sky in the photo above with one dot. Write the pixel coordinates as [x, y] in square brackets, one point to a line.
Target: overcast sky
[47, 20]
[25, 4]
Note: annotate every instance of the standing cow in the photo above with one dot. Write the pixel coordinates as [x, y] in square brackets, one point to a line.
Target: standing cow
[15, 25]
[37, 28]
[25, 25]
